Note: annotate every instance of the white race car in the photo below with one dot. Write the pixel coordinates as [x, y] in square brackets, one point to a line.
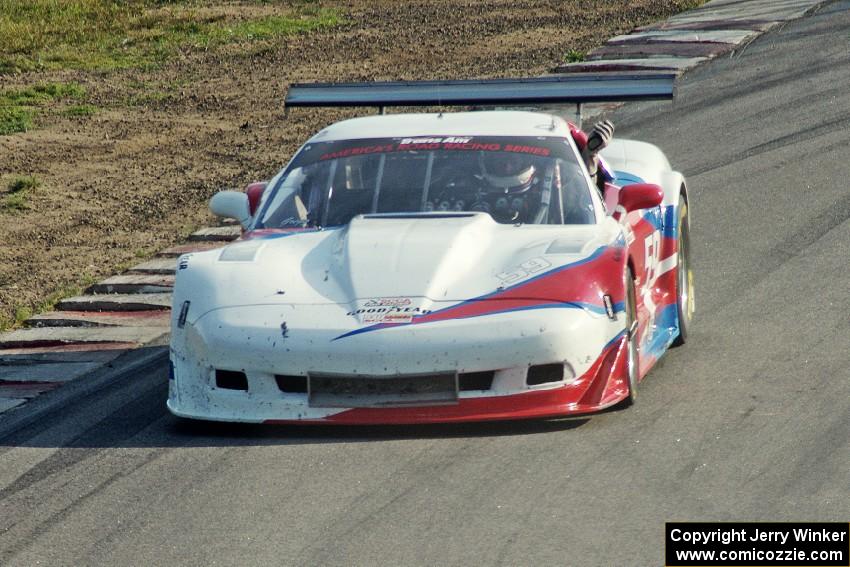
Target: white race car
[438, 267]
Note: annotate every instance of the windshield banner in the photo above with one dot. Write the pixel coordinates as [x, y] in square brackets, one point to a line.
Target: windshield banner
[323, 151]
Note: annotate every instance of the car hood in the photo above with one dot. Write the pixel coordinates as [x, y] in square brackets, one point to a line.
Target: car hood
[401, 260]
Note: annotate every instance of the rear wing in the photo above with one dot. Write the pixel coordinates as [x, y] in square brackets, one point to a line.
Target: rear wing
[574, 89]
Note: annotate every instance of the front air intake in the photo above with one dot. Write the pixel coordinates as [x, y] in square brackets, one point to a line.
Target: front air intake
[328, 390]
[231, 380]
[472, 381]
[544, 374]
[291, 384]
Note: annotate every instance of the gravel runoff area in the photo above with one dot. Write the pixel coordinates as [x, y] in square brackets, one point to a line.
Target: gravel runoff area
[134, 177]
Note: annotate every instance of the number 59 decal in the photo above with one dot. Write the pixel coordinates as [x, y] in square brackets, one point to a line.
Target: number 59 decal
[523, 271]
[652, 257]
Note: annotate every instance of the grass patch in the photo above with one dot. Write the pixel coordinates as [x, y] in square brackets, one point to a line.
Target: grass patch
[15, 317]
[80, 110]
[40, 94]
[104, 34]
[19, 189]
[574, 56]
[15, 203]
[22, 314]
[18, 107]
[23, 183]
[271, 27]
[15, 119]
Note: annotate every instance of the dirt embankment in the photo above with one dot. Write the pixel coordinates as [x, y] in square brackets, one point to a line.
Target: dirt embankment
[135, 177]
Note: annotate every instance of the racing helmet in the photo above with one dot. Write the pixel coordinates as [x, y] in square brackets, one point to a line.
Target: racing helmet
[507, 172]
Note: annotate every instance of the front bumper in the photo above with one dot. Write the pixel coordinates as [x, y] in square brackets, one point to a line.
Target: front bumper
[595, 374]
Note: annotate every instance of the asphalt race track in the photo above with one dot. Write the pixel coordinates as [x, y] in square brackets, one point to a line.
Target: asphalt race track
[749, 421]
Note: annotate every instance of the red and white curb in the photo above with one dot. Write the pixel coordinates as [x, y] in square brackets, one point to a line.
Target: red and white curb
[683, 41]
[87, 332]
[693, 37]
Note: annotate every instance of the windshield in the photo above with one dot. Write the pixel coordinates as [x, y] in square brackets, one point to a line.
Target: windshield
[533, 180]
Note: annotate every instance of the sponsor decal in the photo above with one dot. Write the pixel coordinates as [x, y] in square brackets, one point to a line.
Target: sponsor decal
[359, 151]
[437, 143]
[397, 318]
[389, 302]
[388, 310]
[430, 140]
[533, 150]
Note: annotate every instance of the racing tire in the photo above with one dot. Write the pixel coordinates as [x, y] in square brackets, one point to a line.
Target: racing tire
[684, 275]
[632, 362]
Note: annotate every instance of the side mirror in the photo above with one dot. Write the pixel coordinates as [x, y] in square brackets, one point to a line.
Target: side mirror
[640, 196]
[231, 205]
[255, 194]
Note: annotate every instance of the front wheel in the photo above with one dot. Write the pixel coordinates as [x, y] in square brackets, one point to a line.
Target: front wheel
[684, 276]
